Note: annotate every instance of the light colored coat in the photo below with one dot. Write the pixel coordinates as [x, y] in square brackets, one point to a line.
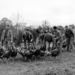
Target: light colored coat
[7, 36]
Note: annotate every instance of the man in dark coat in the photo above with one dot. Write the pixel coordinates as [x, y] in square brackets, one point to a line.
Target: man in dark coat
[69, 36]
[28, 37]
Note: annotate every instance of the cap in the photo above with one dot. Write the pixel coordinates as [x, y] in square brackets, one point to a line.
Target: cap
[55, 27]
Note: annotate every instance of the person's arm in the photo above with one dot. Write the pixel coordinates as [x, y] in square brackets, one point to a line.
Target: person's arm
[59, 33]
[2, 36]
[10, 34]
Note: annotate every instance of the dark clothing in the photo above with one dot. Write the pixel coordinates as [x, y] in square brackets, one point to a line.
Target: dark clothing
[68, 43]
[28, 37]
[69, 34]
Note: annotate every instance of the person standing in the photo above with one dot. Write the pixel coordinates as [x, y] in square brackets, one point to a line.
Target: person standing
[58, 38]
[57, 34]
[69, 36]
[7, 36]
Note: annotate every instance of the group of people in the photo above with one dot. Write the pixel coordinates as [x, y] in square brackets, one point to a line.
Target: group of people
[7, 36]
[68, 37]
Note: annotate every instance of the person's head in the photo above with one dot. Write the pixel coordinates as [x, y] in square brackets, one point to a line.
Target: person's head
[7, 26]
[54, 28]
[41, 31]
[66, 27]
[46, 31]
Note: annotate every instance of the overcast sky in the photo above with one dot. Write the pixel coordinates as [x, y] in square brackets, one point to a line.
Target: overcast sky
[57, 12]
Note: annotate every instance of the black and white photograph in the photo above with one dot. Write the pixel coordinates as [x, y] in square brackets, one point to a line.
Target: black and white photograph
[37, 37]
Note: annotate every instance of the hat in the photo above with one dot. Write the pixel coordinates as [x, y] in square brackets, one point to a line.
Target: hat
[8, 25]
[54, 27]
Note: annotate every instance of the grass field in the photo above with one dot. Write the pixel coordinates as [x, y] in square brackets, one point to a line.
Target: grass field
[62, 65]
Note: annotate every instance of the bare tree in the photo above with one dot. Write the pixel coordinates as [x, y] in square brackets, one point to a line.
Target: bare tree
[45, 25]
[16, 19]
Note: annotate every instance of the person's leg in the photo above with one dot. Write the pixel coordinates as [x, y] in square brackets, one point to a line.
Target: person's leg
[51, 46]
[68, 44]
[71, 44]
[47, 46]
[60, 46]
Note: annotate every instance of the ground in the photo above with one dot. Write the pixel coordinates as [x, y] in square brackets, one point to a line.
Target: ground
[62, 65]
